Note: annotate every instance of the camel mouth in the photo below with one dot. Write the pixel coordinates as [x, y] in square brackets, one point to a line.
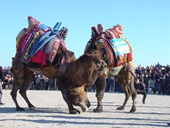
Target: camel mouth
[77, 100]
[85, 109]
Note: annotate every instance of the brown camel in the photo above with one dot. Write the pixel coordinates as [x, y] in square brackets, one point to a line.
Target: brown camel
[79, 76]
[117, 53]
[72, 83]
[73, 75]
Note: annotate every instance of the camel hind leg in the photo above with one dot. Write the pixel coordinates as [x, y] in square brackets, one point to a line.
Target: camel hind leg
[127, 95]
[126, 79]
[133, 93]
[28, 78]
[21, 82]
[14, 95]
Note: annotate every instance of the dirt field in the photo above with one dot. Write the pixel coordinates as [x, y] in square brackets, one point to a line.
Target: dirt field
[52, 112]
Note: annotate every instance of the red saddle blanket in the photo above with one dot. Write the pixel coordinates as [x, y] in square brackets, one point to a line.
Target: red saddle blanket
[43, 52]
[115, 49]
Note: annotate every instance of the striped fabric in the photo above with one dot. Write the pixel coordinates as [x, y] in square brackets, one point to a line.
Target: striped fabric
[120, 46]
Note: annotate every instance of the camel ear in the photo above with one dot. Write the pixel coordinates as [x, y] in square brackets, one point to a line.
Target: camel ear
[90, 55]
[95, 32]
[100, 28]
[94, 54]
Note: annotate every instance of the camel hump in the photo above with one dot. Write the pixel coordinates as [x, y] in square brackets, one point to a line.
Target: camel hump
[118, 29]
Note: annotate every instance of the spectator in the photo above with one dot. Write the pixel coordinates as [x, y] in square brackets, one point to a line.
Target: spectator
[1, 79]
[110, 84]
[31, 86]
[37, 81]
[167, 83]
[146, 80]
[163, 87]
[46, 82]
[141, 89]
[42, 82]
[51, 83]
[158, 81]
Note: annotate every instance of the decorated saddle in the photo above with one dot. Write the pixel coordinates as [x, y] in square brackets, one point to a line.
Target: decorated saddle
[119, 45]
[115, 49]
[40, 43]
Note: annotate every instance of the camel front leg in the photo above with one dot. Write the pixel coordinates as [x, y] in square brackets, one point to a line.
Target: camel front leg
[134, 95]
[100, 89]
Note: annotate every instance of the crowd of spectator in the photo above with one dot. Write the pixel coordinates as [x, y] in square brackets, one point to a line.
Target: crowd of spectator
[40, 82]
[155, 77]
[8, 79]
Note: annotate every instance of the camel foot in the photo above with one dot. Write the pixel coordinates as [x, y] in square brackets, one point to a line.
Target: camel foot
[20, 109]
[33, 108]
[2, 103]
[121, 108]
[98, 109]
[74, 111]
[133, 109]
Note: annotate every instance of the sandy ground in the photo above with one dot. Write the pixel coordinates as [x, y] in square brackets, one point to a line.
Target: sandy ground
[52, 112]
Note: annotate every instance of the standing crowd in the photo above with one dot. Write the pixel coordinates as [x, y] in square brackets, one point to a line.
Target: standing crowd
[41, 82]
[156, 79]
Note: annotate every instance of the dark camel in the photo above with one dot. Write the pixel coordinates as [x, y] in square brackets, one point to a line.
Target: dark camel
[74, 75]
[72, 83]
[121, 67]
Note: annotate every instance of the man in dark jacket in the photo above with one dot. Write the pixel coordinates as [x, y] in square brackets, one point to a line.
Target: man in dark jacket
[1, 79]
[141, 89]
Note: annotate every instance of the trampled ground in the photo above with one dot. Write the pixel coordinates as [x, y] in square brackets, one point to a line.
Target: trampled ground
[52, 112]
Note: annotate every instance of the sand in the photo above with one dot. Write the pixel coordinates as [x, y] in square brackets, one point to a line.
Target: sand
[52, 112]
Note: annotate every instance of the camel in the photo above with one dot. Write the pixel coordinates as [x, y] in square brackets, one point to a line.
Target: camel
[53, 60]
[119, 59]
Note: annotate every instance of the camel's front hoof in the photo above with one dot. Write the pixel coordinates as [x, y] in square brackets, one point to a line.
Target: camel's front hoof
[98, 109]
[121, 108]
[74, 111]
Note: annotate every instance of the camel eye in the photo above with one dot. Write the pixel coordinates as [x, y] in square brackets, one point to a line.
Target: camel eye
[97, 61]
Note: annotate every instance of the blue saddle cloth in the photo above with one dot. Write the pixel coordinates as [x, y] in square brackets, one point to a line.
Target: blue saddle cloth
[120, 46]
[46, 38]
[37, 41]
